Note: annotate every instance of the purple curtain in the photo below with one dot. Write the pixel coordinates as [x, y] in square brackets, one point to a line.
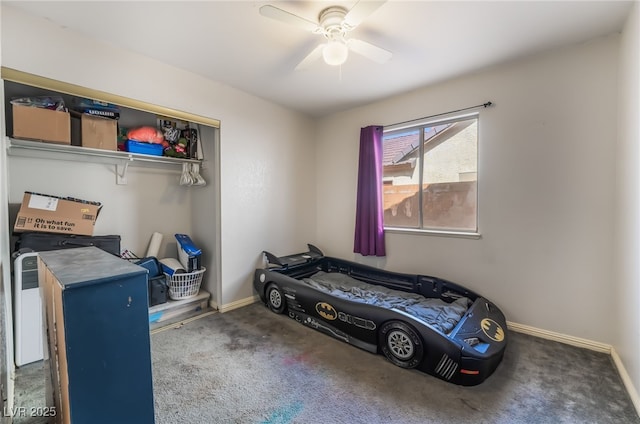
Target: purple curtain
[369, 236]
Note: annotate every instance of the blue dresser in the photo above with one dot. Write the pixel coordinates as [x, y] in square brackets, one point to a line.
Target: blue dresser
[98, 368]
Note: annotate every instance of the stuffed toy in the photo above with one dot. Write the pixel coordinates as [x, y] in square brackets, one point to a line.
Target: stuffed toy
[146, 134]
[177, 150]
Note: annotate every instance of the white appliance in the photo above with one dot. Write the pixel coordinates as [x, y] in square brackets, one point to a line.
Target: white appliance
[27, 310]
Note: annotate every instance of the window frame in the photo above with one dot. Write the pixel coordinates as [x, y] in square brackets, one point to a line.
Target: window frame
[420, 125]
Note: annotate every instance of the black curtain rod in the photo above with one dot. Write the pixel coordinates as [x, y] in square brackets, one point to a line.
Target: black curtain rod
[487, 104]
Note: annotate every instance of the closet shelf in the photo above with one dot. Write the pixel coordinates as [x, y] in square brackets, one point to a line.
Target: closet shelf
[37, 149]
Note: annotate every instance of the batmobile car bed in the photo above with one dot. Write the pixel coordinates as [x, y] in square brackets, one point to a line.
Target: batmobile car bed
[416, 321]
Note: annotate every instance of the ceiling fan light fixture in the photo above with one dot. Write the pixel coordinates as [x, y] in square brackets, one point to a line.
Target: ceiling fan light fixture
[334, 23]
[335, 53]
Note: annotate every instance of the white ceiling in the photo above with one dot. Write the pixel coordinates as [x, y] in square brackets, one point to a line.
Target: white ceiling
[230, 42]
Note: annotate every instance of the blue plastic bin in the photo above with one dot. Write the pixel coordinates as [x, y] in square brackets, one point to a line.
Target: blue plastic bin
[154, 149]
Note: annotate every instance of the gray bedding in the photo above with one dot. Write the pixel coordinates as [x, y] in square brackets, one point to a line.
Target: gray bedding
[439, 314]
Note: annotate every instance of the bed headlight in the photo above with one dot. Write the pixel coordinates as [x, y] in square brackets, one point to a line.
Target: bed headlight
[472, 341]
[262, 278]
[477, 344]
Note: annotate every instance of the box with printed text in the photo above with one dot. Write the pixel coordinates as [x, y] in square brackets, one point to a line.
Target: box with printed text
[52, 214]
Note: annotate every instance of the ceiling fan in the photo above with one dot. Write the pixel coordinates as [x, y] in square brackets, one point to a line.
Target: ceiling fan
[334, 23]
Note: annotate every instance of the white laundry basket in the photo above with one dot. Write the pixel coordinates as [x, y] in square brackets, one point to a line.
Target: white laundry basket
[185, 285]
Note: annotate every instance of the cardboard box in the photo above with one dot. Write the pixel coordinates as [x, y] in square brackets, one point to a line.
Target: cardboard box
[52, 214]
[36, 123]
[99, 133]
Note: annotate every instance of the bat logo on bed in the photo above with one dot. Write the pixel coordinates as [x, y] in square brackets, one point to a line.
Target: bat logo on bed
[492, 329]
[326, 311]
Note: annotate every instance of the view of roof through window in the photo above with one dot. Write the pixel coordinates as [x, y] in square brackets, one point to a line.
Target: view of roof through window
[441, 158]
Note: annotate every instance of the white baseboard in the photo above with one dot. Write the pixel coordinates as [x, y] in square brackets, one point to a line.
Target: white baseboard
[626, 379]
[586, 344]
[238, 304]
[558, 337]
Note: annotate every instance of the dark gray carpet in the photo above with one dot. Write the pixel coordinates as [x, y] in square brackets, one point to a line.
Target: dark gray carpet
[252, 366]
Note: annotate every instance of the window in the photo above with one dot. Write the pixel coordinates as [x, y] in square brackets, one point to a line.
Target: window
[433, 184]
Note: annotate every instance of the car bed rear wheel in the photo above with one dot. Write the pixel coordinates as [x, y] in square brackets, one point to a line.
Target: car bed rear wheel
[401, 344]
[275, 298]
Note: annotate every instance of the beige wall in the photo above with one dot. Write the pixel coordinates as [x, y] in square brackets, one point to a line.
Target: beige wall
[625, 283]
[546, 188]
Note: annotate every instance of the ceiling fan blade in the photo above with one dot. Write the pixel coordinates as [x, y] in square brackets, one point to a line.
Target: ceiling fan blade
[360, 11]
[286, 17]
[368, 50]
[311, 57]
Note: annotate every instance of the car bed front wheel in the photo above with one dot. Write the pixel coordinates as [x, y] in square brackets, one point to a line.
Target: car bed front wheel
[401, 344]
[275, 298]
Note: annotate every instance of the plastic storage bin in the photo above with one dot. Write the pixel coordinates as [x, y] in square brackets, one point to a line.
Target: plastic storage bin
[184, 285]
[154, 149]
